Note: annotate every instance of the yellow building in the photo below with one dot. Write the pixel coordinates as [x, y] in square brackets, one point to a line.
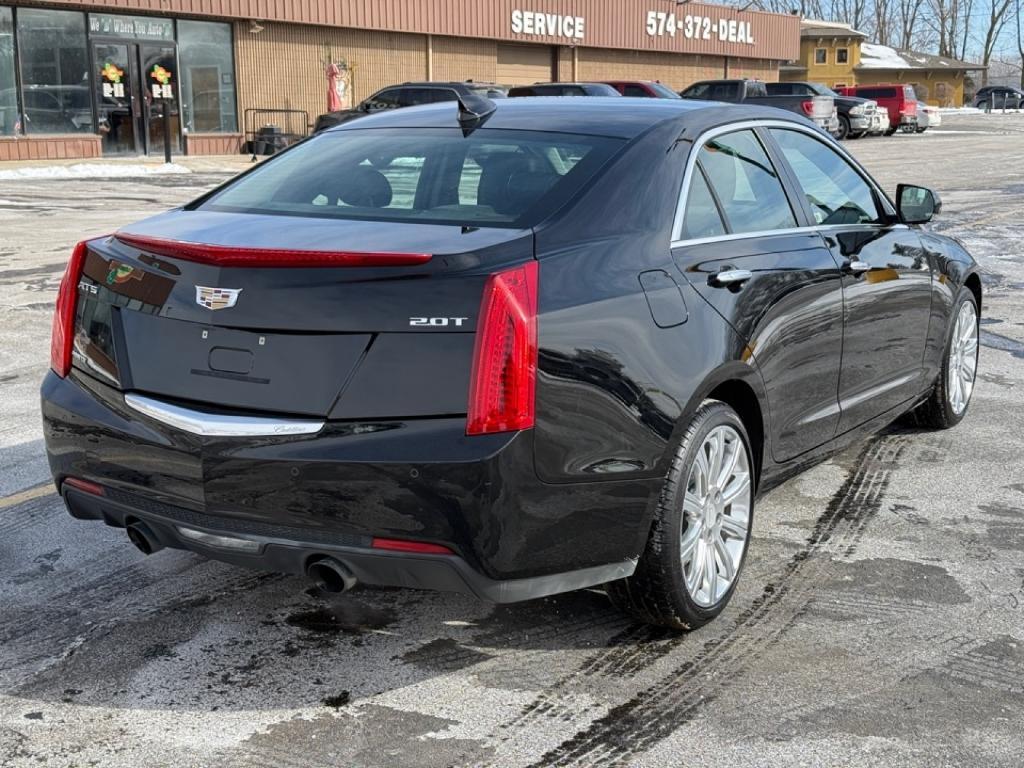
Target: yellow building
[838, 55]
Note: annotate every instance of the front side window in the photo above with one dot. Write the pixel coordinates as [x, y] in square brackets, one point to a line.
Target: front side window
[207, 76]
[8, 92]
[837, 194]
[746, 184]
[387, 99]
[698, 91]
[427, 176]
[820, 56]
[54, 71]
[635, 91]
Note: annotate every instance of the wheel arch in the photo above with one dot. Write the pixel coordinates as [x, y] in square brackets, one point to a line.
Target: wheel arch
[973, 283]
[739, 386]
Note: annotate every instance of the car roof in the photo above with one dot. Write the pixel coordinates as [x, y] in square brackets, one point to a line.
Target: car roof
[597, 116]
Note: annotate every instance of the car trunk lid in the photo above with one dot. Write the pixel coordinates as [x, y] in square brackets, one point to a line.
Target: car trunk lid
[384, 336]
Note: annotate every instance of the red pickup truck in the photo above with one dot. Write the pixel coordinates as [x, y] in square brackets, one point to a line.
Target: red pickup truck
[899, 100]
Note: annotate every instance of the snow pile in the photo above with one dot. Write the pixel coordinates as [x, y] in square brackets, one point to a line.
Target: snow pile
[874, 56]
[959, 110]
[90, 171]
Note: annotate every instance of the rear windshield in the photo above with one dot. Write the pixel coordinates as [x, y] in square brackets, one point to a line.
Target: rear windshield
[425, 175]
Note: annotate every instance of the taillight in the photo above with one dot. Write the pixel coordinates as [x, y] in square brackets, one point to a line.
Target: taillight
[808, 107]
[63, 334]
[502, 385]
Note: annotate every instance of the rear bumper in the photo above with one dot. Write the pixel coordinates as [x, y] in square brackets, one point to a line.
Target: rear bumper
[278, 548]
[330, 493]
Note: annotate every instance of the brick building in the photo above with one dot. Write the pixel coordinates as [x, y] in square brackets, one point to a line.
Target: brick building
[84, 79]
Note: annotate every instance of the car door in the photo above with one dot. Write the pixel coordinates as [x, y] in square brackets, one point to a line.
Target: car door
[886, 277]
[740, 243]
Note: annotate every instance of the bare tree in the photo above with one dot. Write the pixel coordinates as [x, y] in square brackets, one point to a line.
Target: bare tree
[998, 16]
[909, 13]
[1020, 42]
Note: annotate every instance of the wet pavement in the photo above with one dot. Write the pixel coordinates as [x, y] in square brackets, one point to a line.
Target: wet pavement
[879, 621]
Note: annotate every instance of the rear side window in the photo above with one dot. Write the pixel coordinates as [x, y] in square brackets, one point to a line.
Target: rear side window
[876, 93]
[426, 175]
[702, 218]
[746, 184]
[837, 194]
[414, 96]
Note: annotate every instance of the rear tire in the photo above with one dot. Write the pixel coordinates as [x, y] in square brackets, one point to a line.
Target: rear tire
[950, 397]
[705, 511]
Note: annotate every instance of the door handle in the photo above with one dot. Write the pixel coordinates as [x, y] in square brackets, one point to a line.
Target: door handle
[857, 266]
[730, 277]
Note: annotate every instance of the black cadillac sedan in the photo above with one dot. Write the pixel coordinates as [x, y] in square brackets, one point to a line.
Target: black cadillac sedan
[510, 349]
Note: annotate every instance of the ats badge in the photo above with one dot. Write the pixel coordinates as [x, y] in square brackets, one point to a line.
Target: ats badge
[216, 298]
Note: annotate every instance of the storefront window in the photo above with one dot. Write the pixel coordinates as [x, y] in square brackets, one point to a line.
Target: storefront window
[8, 91]
[207, 77]
[54, 71]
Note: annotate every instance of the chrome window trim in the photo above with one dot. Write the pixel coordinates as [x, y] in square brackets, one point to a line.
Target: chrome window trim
[219, 425]
[815, 133]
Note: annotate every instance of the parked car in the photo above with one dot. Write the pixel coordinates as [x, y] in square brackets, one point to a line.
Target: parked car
[856, 117]
[649, 89]
[563, 89]
[570, 353]
[819, 109]
[927, 117]
[408, 95]
[899, 100]
[999, 97]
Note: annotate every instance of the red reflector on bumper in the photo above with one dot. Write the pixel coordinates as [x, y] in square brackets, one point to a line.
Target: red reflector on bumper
[229, 256]
[84, 485]
[400, 545]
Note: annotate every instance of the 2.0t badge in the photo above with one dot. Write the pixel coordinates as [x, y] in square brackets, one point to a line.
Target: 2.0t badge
[216, 298]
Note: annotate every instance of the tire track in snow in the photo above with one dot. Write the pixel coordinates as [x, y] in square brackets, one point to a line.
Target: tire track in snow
[639, 723]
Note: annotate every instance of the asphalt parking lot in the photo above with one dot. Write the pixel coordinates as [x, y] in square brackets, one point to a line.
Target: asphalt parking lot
[880, 620]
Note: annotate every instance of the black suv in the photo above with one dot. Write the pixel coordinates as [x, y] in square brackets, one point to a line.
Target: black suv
[409, 95]
[999, 97]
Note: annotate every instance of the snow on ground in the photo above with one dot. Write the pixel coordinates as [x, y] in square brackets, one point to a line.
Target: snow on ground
[90, 171]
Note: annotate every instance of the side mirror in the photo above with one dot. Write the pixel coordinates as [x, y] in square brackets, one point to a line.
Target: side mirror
[916, 205]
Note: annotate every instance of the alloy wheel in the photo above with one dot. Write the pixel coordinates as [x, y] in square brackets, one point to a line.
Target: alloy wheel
[963, 358]
[716, 516]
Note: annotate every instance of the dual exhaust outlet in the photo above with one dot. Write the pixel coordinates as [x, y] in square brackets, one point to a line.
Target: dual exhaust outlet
[331, 575]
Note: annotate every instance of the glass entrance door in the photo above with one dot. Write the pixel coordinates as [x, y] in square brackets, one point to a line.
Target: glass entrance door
[135, 83]
[118, 102]
[160, 73]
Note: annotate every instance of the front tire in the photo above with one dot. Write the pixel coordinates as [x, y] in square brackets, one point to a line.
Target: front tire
[698, 540]
[950, 397]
